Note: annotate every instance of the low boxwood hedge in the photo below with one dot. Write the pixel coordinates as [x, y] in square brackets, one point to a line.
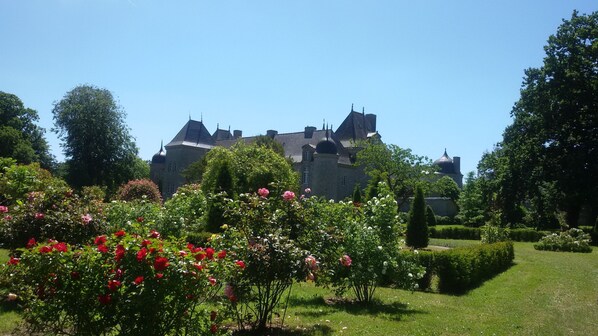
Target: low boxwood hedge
[464, 268]
[521, 235]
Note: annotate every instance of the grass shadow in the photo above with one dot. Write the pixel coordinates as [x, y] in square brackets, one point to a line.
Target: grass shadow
[392, 311]
[315, 330]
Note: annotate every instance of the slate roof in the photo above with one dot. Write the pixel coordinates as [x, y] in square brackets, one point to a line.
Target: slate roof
[221, 134]
[446, 164]
[354, 127]
[193, 134]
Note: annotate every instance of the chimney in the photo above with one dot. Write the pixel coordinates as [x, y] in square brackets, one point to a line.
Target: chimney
[237, 134]
[371, 119]
[457, 164]
[309, 131]
[271, 133]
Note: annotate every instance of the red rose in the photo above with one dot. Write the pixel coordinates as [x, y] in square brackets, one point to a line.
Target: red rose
[39, 215]
[120, 233]
[145, 243]
[141, 254]
[212, 281]
[161, 263]
[138, 280]
[45, 249]
[119, 253]
[154, 234]
[104, 299]
[213, 328]
[113, 285]
[103, 248]
[222, 254]
[210, 253]
[13, 261]
[31, 243]
[159, 276]
[100, 240]
[139, 219]
[199, 267]
[60, 247]
[213, 315]
[240, 263]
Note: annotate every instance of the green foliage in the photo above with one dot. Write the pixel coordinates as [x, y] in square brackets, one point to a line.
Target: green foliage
[137, 190]
[447, 187]
[492, 234]
[261, 236]
[129, 283]
[194, 172]
[381, 212]
[455, 233]
[402, 170]
[463, 268]
[372, 188]
[17, 181]
[357, 194]
[573, 240]
[546, 159]
[53, 213]
[20, 137]
[98, 147]
[430, 216]
[417, 228]
[471, 204]
[183, 213]
[268, 142]
[93, 193]
[122, 214]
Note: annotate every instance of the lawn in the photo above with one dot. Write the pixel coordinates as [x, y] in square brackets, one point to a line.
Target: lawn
[544, 293]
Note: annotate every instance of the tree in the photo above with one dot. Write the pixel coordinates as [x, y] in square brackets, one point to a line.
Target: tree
[194, 172]
[417, 227]
[472, 209]
[96, 141]
[554, 135]
[398, 167]
[430, 216]
[252, 167]
[357, 194]
[20, 137]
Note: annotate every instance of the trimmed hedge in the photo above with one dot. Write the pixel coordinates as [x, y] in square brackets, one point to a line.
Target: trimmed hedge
[520, 235]
[464, 268]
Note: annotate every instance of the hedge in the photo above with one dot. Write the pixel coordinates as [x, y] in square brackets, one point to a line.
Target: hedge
[521, 235]
[464, 268]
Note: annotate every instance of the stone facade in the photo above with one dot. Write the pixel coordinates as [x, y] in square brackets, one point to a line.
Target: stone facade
[323, 158]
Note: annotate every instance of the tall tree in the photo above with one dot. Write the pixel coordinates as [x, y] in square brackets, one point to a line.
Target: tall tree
[417, 227]
[20, 137]
[402, 170]
[98, 147]
[553, 140]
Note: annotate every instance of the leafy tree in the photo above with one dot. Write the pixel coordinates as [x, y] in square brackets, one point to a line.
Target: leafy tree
[417, 228]
[194, 172]
[20, 137]
[447, 187]
[372, 189]
[430, 216]
[398, 167]
[96, 141]
[357, 194]
[268, 142]
[553, 138]
[472, 208]
[252, 167]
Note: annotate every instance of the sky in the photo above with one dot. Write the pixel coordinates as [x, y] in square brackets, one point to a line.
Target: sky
[438, 74]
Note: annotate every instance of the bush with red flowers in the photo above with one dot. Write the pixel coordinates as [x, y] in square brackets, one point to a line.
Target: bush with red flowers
[126, 283]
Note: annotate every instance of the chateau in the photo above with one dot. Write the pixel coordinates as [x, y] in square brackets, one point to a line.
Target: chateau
[323, 158]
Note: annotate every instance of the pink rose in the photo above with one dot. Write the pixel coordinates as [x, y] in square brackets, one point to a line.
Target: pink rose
[345, 260]
[86, 218]
[263, 192]
[308, 190]
[312, 263]
[288, 196]
[3, 209]
[39, 215]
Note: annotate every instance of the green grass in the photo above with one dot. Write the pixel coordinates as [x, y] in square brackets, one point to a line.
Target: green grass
[9, 316]
[544, 293]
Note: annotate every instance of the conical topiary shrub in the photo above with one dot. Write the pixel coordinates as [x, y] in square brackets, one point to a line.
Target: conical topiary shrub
[417, 228]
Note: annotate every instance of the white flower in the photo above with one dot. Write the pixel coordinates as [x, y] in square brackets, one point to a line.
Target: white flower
[410, 275]
[379, 247]
[416, 251]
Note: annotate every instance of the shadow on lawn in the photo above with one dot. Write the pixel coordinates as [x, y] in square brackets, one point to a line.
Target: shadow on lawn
[319, 306]
[316, 330]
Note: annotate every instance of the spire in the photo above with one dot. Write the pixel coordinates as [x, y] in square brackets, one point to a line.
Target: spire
[352, 107]
[161, 145]
[217, 126]
[201, 120]
[323, 123]
[362, 110]
[229, 128]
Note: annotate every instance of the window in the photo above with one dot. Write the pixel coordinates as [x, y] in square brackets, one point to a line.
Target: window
[305, 175]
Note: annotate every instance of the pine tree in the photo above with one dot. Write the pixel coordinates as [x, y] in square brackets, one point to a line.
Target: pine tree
[357, 194]
[417, 228]
[430, 216]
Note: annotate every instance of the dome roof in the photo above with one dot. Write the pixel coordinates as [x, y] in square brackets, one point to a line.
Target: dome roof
[446, 164]
[326, 146]
[159, 157]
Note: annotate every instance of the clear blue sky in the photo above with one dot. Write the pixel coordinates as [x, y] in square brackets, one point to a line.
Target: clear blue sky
[437, 73]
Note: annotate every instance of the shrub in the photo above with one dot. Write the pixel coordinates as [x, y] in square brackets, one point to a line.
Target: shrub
[183, 213]
[417, 229]
[137, 190]
[123, 214]
[461, 269]
[127, 284]
[493, 234]
[430, 217]
[56, 213]
[573, 240]
[17, 181]
[455, 233]
[446, 220]
[526, 235]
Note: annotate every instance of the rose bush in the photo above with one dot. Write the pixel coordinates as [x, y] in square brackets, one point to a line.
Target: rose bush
[130, 283]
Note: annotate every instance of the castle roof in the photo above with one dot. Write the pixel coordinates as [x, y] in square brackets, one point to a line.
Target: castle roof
[159, 157]
[355, 127]
[193, 134]
[221, 134]
[446, 164]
